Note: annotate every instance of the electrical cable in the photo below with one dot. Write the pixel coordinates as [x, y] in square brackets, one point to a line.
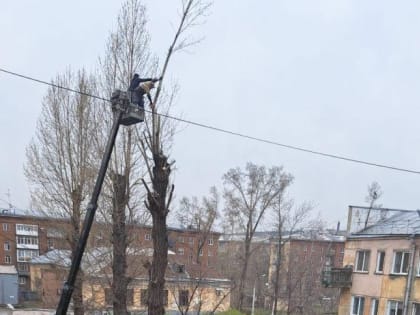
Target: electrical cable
[190, 122]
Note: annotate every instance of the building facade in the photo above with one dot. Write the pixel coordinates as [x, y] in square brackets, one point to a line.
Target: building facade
[383, 253]
[187, 287]
[304, 256]
[24, 237]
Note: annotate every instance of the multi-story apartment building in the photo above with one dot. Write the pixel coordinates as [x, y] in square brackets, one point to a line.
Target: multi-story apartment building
[382, 251]
[304, 255]
[24, 237]
[20, 239]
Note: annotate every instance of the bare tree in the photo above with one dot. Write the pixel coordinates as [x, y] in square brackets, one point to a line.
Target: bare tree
[200, 217]
[374, 193]
[127, 51]
[281, 208]
[58, 164]
[155, 152]
[299, 273]
[248, 194]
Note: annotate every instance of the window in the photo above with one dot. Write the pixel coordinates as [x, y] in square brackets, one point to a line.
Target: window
[210, 241]
[190, 258]
[400, 263]
[50, 243]
[27, 228]
[416, 309]
[27, 240]
[200, 252]
[130, 297]
[7, 259]
[374, 304]
[362, 261]
[108, 296]
[380, 258]
[26, 254]
[22, 280]
[395, 308]
[191, 240]
[183, 298]
[144, 296]
[165, 297]
[181, 239]
[147, 237]
[357, 305]
[5, 227]
[7, 245]
[181, 251]
[23, 267]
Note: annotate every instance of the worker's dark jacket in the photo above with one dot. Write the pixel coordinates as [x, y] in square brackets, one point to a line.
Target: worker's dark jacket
[137, 92]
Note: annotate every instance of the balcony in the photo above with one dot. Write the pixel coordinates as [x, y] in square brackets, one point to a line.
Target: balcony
[27, 229]
[337, 277]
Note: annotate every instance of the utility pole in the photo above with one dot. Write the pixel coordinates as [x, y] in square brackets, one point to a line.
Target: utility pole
[125, 114]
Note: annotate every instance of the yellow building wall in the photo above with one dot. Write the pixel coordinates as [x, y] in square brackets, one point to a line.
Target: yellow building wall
[94, 296]
[384, 286]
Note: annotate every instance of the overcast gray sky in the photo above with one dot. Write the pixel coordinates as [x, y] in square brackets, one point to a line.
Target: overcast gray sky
[336, 76]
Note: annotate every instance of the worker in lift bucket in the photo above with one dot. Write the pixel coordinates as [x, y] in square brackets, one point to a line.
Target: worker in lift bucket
[139, 87]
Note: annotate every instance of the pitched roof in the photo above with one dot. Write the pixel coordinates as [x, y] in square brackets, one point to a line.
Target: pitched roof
[98, 261]
[400, 223]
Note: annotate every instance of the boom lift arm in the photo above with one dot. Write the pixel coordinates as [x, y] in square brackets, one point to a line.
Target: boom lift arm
[127, 114]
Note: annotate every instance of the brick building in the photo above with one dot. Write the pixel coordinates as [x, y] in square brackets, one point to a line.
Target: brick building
[304, 256]
[26, 236]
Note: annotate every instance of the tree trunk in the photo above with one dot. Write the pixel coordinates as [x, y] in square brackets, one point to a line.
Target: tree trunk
[277, 278]
[78, 306]
[158, 209]
[244, 271]
[78, 296]
[119, 264]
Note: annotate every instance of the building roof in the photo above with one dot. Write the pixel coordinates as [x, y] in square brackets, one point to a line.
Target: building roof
[37, 214]
[307, 234]
[98, 261]
[8, 269]
[398, 222]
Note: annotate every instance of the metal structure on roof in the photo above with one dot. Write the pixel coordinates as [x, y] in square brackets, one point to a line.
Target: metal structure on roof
[382, 221]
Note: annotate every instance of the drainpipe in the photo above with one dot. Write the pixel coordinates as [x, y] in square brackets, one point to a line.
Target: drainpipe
[410, 276]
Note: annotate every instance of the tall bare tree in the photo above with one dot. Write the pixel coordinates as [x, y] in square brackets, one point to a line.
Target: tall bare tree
[200, 216]
[127, 51]
[58, 165]
[288, 218]
[248, 195]
[156, 156]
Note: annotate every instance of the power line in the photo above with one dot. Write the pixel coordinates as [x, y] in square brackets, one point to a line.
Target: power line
[190, 122]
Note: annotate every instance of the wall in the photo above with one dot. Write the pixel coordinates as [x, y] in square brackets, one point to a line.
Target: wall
[384, 286]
